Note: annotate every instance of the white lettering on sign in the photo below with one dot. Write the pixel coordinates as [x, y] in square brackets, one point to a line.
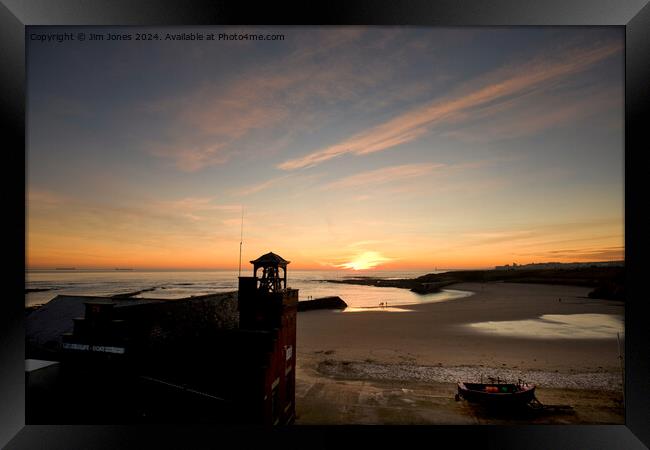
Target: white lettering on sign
[94, 348]
[107, 349]
[70, 346]
[289, 352]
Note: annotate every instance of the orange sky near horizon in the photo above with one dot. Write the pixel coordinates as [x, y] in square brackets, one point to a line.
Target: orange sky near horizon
[475, 252]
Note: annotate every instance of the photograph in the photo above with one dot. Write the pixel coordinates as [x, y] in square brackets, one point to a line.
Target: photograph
[325, 225]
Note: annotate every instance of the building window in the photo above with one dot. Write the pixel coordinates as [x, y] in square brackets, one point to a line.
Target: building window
[275, 405]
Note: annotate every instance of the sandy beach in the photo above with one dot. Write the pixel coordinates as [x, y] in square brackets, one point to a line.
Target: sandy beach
[401, 367]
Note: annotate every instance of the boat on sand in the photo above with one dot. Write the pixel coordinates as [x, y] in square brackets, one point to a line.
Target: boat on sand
[497, 394]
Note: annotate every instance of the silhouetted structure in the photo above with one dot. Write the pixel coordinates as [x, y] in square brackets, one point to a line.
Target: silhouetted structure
[220, 358]
[271, 280]
[265, 303]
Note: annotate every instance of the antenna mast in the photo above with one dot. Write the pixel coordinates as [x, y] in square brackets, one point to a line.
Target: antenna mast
[241, 238]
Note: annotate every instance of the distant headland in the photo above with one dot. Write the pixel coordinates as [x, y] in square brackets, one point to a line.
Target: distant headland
[607, 278]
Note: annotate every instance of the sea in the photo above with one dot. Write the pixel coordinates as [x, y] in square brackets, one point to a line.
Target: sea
[179, 284]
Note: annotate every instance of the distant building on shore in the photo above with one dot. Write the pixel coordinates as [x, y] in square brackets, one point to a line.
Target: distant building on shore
[558, 265]
[219, 358]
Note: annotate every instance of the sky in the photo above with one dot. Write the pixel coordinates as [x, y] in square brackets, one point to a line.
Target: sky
[396, 148]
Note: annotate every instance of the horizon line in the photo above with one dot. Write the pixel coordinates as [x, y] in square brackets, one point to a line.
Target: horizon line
[234, 269]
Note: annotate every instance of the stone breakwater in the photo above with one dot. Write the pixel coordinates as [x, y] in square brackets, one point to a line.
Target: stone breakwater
[322, 303]
[602, 380]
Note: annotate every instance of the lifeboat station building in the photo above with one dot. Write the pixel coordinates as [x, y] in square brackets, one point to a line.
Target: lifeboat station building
[218, 358]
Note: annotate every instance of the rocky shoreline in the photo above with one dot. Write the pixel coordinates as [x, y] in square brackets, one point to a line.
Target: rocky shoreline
[602, 380]
[420, 287]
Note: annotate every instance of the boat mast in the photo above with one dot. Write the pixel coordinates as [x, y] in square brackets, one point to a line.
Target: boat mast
[241, 237]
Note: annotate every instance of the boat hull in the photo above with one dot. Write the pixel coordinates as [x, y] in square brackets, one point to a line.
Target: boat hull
[496, 394]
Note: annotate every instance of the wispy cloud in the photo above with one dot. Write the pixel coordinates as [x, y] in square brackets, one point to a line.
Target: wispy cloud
[194, 207]
[135, 218]
[45, 198]
[532, 114]
[384, 175]
[366, 243]
[210, 122]
[217, 117]
[489, 238]
[588, 253]
[541, 233]
[304, 180]
[262, 186]
[498, 86]
[264, 105]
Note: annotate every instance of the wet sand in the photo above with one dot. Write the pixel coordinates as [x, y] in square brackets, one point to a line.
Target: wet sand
[388, 367]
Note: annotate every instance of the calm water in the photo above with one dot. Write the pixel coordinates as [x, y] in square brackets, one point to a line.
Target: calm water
[558, 326]
[184, 284]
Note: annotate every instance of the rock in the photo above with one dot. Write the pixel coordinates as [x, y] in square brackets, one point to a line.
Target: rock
[430, 287]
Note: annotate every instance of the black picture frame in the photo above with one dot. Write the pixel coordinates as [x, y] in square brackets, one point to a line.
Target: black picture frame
[633, 15]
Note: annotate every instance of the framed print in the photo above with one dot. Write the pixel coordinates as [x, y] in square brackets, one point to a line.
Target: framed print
[371, 219]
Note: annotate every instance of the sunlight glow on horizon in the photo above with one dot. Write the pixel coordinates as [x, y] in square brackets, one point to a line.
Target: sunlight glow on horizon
[364, 261]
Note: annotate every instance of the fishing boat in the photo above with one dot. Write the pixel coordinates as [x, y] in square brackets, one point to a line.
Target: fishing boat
[497, 394]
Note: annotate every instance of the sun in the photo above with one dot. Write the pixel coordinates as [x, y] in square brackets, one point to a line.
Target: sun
[364, 261]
